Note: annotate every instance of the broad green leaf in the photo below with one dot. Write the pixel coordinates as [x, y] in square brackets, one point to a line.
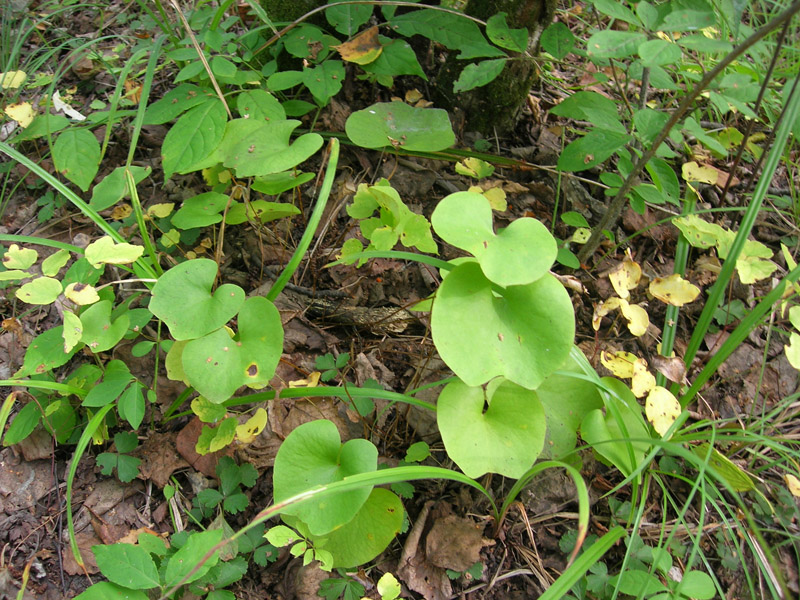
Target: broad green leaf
[617, 10]
[105, 590]
[223, 68]
[734, 475]
[591, 150]
[208, 412]
[557, 40]
[347, 18]
[44, 353]
[499, 33]
[697, 585]
[478, 74]
[688, 20]
[217, 366]
[398, 124]
[115, 379]
[182, 298]
[176, 101]
[564, 418]
[76, 154]
[263, 148]
[55, 262]
[634, 582]
[368, 533]
[200, 211]
[19, 258]
[283, 80]
[127, 565]
[505, 438]
[193, 137]
[659, 52]
[524, 335]
[324, 81]
[590, 106]
[107, 251]
[25, 421]
[313, 455]
[281, 535]
[474, 167]
[99, 333]
[259, 210]
[517, 255]
[452, 31]
[43, 125]
[701, 43]
[114, 186]
[609, 43]
[259, 105]
[131, 406]
[397, 58]
[276, 183]
[189, 556]
[42, 290]
[649, 123]
[609, 437]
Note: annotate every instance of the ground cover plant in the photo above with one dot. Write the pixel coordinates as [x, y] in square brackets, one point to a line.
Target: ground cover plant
[256, 284]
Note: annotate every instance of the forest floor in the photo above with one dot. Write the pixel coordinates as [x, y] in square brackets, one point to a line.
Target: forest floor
[529, 551]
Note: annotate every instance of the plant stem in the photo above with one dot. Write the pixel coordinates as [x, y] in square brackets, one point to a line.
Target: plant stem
[618, 203]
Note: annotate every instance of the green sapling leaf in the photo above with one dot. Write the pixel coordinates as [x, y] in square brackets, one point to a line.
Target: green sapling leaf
[99, 332]
[127, 565]
[200, 211]
[107, 251]
[193, 137]
[557, 40]
[478, 74]
[390, 124]
[499, 33]
[189, 556]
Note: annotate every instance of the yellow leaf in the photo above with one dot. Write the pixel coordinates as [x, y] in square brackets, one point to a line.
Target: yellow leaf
[619, 363]
[81, 293]
[121, 211]
[793, 484]
[637, 318]
[311, 381]
[691, 171]
[161, 210]
[626, 276]
[249, 430]
[11, 80]
[642, 381]
[22, 113]
[674, 290]
[19, 258]
[581, 235]
[413, 96]
[661, 408]
[362, 49]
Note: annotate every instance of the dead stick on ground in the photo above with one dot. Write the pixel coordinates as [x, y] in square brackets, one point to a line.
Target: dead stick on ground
[611, 216]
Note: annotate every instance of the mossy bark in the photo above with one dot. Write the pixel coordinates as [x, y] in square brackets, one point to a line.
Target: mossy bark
[496, 106]
[290, 10]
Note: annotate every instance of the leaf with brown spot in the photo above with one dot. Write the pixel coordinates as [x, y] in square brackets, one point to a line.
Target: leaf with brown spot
[362, 49]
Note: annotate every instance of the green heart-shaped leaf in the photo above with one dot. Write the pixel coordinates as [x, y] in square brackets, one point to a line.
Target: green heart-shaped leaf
[216, 365]
[524, 335]
[212, 365]
[182, 298]
[367, 534]
[200, 211]
[517, 255]
[313, 455]
[99, 333]
[506, 438]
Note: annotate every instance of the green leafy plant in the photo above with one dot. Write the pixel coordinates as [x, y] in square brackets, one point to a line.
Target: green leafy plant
[127, 467]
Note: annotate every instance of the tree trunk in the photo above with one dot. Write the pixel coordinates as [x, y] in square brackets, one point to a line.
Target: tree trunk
[496, 106]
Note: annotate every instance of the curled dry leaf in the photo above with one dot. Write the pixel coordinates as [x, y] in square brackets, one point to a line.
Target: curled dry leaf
[661, 408]
[674, 290]
[672, 368]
